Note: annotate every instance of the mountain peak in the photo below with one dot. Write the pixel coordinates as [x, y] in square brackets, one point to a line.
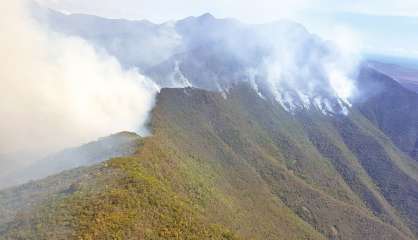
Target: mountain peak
[206, 16]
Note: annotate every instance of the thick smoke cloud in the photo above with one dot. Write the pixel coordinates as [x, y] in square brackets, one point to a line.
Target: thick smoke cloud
[281, 60]
[58, 91]
[304, 71]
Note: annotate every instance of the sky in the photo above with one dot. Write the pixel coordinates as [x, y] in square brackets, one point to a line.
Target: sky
[378, 26]
[253, 11]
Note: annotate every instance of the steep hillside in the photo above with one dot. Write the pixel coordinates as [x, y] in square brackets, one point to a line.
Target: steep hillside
[312, 147]
[391, 107]
[225, 167]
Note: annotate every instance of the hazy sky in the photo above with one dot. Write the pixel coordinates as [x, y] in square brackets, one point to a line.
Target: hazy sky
[254, 11]
[384, 26]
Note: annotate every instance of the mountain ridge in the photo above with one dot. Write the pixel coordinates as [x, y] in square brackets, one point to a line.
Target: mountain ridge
[289, 170]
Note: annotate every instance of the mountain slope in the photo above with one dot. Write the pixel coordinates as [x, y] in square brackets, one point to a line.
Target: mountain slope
[280, 137]
[391, 107]
[241, 166]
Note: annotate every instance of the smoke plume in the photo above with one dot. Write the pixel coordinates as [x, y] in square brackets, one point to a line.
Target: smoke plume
[58, 91]
[281, 60]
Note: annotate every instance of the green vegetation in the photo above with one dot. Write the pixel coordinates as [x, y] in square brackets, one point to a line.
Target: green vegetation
[129, 205]
[235, 168]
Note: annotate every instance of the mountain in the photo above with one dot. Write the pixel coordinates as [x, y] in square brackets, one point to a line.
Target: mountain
[116, 145]
[139, 44]
[215, 166]
[215, 54]
[405, 74]
[238, 149]
[390, 107]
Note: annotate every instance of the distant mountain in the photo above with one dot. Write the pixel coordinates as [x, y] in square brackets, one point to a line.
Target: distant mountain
[139, 44]
[391, 107]
[215, 54]
[406, 75]
[220, 52]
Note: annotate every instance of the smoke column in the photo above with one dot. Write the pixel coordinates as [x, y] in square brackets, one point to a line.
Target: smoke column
[58, 91]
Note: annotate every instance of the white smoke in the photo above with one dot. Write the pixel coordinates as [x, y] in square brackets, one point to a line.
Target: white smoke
[303, 71]
[58, 91]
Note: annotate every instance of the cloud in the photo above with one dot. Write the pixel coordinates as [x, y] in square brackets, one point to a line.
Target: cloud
[377, 7]
[59, 91]
[306, 72]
